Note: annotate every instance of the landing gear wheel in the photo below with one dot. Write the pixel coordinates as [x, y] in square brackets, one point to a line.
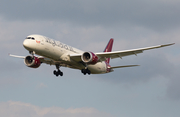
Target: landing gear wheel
[86, 71]
[89, 72]
[54, 72]
[58, 72]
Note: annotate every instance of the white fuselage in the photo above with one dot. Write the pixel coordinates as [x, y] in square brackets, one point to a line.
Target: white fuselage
[59, 52]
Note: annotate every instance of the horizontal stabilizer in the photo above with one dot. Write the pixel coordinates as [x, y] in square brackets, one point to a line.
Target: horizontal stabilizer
[124, 66]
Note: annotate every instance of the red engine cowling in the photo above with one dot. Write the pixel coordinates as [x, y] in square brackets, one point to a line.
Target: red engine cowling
[32, 61]
[89, 58]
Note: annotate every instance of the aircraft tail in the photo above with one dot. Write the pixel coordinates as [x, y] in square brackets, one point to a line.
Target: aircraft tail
[109, 48]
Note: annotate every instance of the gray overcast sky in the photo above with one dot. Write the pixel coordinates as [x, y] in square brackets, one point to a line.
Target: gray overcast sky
[149, 90]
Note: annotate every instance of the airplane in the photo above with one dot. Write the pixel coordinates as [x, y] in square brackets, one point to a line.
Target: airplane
[56, 53]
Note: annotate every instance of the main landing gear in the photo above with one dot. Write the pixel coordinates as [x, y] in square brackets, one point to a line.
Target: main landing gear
[58, 72]
[86, 71]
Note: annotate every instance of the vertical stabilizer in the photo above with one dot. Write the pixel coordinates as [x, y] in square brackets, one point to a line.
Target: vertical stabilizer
[109, 48]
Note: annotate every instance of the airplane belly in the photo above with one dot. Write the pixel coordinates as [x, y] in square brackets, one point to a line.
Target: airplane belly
[98, 68]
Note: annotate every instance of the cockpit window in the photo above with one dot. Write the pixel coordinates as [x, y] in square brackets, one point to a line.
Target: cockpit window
[30, 38]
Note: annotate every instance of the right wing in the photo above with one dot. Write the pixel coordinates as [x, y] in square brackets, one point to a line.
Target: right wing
[120, 54]
[117, 54]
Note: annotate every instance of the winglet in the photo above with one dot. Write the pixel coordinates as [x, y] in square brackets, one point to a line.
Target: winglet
[168, 44]
[158, 46]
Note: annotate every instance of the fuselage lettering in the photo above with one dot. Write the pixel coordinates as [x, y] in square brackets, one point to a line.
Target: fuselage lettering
[66, 47]
[58, 44]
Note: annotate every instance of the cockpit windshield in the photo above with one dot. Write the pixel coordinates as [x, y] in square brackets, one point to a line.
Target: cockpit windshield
[30, 38]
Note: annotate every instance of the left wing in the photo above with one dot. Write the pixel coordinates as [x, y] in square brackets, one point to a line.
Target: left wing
[118, 54]
[48, 61]
[42, 59]
[23, 57]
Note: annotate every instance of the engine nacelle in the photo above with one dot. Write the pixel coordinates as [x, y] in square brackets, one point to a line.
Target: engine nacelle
[32, 61]
[89, 58]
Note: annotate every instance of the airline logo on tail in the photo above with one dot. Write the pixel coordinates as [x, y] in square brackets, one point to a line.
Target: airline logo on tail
[109, 48]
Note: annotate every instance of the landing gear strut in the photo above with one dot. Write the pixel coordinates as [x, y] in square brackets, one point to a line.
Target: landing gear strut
[86, 71]
[32, 53]
[58, 72]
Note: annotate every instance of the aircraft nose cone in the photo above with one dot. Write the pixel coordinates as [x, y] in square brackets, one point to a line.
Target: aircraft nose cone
[25, 43]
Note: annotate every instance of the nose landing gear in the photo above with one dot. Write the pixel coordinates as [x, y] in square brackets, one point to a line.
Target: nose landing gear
[58, 72]
[32, 53]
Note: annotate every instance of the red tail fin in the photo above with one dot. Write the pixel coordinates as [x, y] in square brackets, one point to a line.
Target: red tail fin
[109, 48]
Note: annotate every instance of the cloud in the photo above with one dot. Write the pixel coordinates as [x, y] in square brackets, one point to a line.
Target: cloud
[20, 109]
[155, 14]
[173, 91]
[8, 81]
[42, 85]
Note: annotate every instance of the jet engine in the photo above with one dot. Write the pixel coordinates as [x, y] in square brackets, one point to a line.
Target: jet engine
[32, 61]
[89, 58]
